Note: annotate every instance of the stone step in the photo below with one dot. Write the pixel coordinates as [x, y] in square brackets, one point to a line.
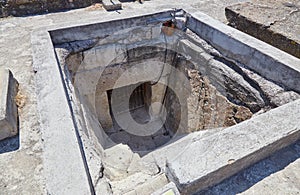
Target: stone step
[111, 5]
[120, 162]
[8, 107]
[208, 160]
[139, 183]
[169, 189]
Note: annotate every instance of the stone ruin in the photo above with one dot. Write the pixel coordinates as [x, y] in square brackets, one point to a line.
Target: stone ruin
[168, 102]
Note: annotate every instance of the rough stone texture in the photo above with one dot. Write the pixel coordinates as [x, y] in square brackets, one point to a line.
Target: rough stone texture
[223, 74]
[281, 168]
[206, 107]
[275, 95]
[235, 148]
[107, 60]
[22, 171]
[275, 22]
[205, 59]
[120, 162]
[8, 107]
[104, 63]
[129, 174]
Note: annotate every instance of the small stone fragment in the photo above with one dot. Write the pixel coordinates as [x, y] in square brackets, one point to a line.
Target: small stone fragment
[111, 5]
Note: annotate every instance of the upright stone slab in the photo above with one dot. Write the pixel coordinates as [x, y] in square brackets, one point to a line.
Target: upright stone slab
[8, 107]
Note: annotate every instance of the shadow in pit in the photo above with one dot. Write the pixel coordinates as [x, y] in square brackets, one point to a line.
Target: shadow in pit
[161, 132]
[10, 144]
[245, 179]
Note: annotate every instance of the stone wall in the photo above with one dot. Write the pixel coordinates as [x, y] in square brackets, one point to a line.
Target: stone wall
[204, 108]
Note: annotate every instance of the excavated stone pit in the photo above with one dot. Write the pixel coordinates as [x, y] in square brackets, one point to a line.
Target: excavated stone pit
[150, 82]
[139, 63]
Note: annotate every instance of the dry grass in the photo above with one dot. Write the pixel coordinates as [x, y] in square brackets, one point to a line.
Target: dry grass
[20, 99]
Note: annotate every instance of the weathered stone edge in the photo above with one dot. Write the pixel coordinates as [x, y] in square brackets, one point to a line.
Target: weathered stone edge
[101, 29]
[279, 141]
[262, 32]
[64, 168]
[278, 66]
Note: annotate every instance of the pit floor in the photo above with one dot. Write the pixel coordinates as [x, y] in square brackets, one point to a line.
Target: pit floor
[22, 170]
[141, 145]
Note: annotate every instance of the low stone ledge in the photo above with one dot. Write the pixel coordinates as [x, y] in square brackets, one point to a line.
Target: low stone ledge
[227, 152]
[268, 61]
[8, 107]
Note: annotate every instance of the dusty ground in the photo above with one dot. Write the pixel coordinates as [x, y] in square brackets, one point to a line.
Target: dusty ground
[21, 170]
[276, 22]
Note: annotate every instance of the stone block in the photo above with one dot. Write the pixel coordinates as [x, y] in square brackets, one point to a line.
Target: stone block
[117, 160]
[8, 107]
[227, 152]
[169, 189]
[111, 5]
[151, 185]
